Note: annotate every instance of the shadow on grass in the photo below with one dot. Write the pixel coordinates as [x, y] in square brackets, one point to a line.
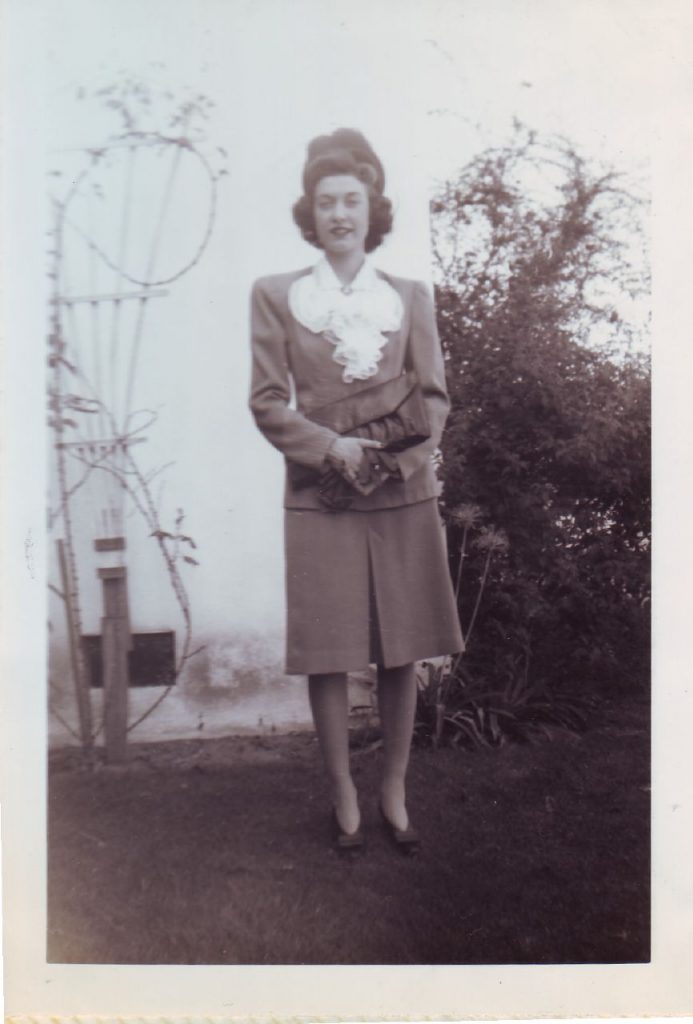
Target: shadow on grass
[217, 852]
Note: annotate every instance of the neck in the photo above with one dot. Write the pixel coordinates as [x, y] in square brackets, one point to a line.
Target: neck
[346, 267]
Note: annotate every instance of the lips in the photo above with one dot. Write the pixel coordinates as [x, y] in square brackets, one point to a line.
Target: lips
[340, 232]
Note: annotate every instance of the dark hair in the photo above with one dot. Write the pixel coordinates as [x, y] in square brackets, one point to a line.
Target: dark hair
[345, 151]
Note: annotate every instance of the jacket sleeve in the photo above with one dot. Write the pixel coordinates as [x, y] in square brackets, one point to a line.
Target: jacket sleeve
[426, 359]
[270, 392]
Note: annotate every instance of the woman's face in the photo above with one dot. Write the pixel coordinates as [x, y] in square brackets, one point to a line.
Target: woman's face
[341, 213]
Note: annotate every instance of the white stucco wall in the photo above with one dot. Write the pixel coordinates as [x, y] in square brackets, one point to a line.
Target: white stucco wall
[194, 365]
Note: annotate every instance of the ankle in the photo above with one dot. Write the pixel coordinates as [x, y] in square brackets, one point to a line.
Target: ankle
[346, 806]
[393, 785]
[342, 784]
[393, 802]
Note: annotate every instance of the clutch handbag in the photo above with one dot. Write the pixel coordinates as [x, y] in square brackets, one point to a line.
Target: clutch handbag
[392, 412]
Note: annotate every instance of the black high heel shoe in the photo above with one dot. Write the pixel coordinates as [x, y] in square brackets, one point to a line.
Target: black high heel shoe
[348, 843]
[406, 840]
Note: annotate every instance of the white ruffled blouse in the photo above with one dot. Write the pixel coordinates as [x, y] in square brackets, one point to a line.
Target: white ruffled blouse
[352, 317]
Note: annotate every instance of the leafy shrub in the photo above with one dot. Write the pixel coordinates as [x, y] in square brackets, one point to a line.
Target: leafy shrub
[540, 308]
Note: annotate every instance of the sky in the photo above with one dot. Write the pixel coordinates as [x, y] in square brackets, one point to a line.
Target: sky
[584, 69]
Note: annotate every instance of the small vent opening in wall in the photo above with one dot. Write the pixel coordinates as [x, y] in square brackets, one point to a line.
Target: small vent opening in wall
[151, 662]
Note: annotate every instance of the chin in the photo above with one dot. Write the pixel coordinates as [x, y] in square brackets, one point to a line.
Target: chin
[343, 246]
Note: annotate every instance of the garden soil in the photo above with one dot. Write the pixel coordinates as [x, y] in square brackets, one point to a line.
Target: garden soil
[219, 852]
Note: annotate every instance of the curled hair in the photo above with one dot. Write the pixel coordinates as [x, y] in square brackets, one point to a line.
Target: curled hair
[344, 152]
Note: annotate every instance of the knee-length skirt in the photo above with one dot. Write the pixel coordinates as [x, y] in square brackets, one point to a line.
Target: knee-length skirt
[367, 587]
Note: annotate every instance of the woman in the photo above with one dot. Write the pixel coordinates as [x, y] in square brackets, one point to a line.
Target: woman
[367, 583]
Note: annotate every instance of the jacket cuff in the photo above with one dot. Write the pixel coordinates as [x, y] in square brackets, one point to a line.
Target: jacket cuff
[412, 459]
[317, 448]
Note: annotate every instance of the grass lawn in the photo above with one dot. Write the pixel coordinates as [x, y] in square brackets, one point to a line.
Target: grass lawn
[218, 852]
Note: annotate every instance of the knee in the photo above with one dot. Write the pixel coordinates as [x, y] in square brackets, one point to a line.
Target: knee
[396, 671]
[327, 679]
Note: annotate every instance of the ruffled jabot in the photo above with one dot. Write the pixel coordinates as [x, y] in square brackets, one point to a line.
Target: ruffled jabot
[352, 318]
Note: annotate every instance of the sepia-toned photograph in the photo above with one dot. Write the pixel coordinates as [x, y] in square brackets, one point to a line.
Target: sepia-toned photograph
[348, 520]
[261, 703]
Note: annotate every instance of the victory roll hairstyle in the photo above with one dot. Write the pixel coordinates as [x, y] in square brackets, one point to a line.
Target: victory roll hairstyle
[345, 151]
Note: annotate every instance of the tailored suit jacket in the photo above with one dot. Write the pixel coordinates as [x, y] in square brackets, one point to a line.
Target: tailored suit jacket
[293, 373]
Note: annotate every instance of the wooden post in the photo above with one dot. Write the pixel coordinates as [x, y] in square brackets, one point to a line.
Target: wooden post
[81, 678]
[115, 643]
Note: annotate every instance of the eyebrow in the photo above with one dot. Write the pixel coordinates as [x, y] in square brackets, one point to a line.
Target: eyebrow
[331, 195]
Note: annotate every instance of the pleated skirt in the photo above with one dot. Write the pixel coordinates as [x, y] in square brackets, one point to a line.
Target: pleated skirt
[367, 588]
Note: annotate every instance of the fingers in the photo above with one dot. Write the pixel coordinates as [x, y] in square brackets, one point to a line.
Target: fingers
[351, 471]
[365, 443]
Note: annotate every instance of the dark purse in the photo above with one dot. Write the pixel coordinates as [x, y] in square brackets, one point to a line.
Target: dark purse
[392, 412]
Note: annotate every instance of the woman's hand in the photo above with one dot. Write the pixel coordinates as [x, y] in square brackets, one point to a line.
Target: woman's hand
[345, 454]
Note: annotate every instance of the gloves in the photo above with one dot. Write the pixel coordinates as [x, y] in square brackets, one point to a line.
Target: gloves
[337, 493]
